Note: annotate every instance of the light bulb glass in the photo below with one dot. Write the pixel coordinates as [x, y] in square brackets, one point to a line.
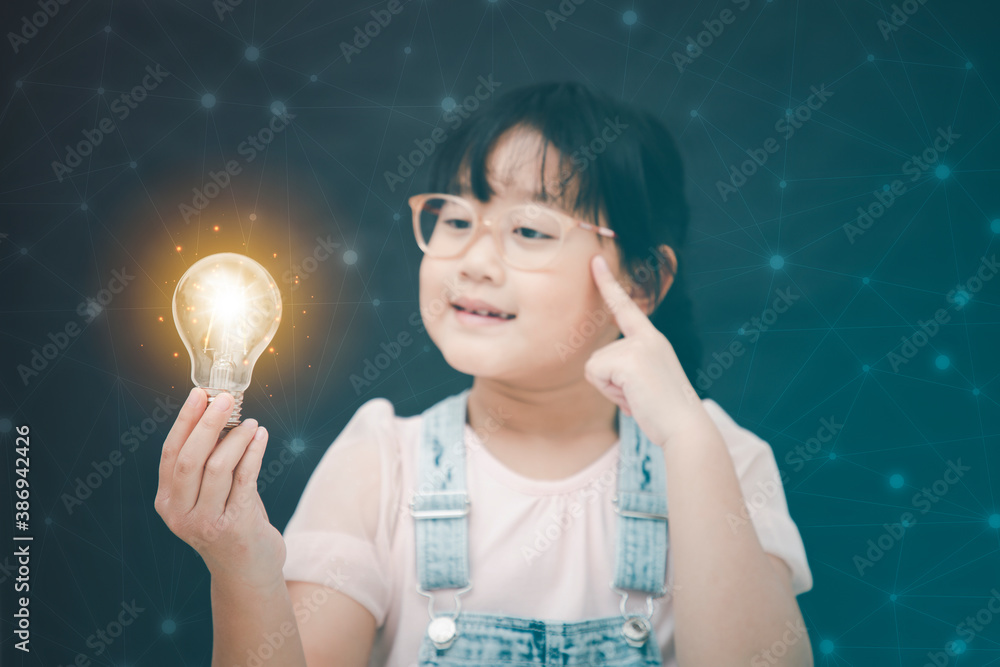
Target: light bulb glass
[226, 308]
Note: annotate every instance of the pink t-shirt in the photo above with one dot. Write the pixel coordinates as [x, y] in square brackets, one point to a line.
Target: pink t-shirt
[537, 548]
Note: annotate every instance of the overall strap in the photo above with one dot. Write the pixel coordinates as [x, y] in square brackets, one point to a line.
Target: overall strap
[440, 504]
[641, 504]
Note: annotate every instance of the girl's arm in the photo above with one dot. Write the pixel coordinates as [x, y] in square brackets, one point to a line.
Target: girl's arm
[291, 624]
[732, 604]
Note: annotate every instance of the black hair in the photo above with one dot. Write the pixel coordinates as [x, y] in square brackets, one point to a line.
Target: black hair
[635, 177]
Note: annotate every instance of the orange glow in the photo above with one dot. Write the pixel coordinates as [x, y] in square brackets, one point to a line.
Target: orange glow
[216, 228]
[178, 248]
[161, 318]
[175, 354]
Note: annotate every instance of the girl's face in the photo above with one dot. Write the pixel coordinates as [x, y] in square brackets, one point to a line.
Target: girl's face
[560, 317]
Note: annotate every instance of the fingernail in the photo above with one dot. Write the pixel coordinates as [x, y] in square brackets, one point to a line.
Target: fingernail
[222, 403]
[261, 432]
[192, 396]
[251, 422]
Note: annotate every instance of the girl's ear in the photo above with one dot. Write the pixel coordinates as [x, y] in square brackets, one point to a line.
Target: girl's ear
[664, 260]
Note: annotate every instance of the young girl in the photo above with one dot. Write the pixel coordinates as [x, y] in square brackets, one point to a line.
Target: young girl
[580, 503]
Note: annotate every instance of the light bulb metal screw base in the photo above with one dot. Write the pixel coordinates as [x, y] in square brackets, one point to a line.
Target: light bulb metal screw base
[234, 416]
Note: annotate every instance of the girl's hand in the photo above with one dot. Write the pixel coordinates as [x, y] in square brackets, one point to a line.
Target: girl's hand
[208, 492]
[641, 372]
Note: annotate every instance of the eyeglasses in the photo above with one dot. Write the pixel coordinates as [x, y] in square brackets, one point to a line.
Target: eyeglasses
[527, 236]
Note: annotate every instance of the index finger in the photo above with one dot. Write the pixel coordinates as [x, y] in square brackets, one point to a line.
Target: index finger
[629, 317]
[187, 418]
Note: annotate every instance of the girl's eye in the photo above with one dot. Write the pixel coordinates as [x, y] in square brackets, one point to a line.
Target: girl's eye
[457, 223]
[529, 233]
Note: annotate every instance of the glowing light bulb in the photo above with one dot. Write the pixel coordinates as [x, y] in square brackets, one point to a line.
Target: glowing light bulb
[226, 308]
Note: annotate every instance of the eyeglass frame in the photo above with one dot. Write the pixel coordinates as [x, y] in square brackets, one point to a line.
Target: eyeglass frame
[567, 222]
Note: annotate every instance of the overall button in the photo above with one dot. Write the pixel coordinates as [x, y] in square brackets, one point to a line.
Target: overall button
[636, 630]
[442, 631]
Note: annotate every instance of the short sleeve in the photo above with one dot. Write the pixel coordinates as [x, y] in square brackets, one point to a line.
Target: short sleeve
[764, 495]
[340, 533]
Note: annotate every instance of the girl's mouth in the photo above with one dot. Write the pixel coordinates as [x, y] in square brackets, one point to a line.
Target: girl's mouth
[481, 317]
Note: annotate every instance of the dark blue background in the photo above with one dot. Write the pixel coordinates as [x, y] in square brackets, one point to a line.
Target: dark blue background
[827, 357]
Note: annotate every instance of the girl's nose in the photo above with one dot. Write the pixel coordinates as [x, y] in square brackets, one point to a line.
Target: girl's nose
[482, 259]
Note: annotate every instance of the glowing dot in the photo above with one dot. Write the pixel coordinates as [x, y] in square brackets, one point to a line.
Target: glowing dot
[271, 350]
[777, 261]
[995, 226]
[278, 108]
[893, 597]
[871, 58]
[832, 456]
[175, 354]
[83, 206]
[5, 425]
[48, 521]
[216, 228]
[100, 91]
[789, 112]
[407, 50]
[962, 297]
[694, 113]
[866, 368]
[208, 100]
[942, 361]
[375, 302]
[253, 216]
[252, 53]
[313, 78]
[943, 171]
[161, 318]
[427, 348]
[24, 251]
[350, 257]
[896, 481]
[975, 392]
[448, 103]
[132, 164]
[297, 445]
[958, 647]
[630, 17]
[994, 521]
[783, 184]
[107, 28]
[18, 84]
[826, 646]
[968, 64]
[866, 280]
[168, 627]
[178, 248]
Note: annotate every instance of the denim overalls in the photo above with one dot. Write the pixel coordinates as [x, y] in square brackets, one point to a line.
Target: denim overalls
[440, 508]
